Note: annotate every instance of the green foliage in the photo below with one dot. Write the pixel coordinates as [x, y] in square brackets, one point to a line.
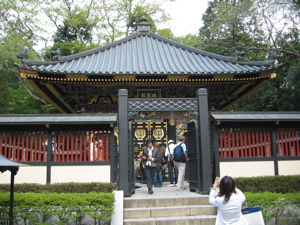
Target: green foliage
[65, 208]
[275, 184]
[253, 26]
[70, 187]
[73, 187]
[273, 204]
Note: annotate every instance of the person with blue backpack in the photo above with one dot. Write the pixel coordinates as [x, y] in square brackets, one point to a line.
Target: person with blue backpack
[180, 158]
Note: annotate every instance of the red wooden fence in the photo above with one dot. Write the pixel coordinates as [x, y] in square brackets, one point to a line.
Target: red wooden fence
[254, 142]
[288, 142]
[66, 146]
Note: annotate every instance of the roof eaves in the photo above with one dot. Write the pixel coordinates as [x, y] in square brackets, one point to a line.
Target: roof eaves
[58, 119]
[255, 116]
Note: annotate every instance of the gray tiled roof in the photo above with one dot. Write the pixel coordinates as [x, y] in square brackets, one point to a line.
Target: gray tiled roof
[256, 116]
[148, 54]
[58, 119]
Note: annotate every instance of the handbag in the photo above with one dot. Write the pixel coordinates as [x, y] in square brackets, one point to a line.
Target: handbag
[253, 216]
[163, 161]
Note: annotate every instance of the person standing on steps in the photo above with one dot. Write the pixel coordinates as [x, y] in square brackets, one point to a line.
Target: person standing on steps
[158, 179]
[173, 172]
[181, 164]
[150, 157]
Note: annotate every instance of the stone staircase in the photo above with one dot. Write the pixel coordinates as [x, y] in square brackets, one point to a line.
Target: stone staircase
[166, 210]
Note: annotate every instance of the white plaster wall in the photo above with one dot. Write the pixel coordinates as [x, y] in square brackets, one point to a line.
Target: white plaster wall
[26, 174]
[60, 174]
[291, 167]
[247, 169]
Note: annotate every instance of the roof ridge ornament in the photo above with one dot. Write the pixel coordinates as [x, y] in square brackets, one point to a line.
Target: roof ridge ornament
[56, 54]
[272, 55]
[143, 26]
[23, 54]
[238, 54]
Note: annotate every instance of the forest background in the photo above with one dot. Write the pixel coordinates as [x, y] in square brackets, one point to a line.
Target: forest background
[255, 27]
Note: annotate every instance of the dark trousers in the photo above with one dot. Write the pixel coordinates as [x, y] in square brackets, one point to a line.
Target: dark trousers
[173, 173]
[149, 173]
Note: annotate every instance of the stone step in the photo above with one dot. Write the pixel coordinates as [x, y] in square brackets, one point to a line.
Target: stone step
[184, 220]
[168, 206]
[164, 202]
[169, 211]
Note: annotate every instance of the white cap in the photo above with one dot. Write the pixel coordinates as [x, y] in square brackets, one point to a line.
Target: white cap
[170, 141]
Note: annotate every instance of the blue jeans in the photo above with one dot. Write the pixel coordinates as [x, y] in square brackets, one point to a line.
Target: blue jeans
[158, 177]
[172, 172]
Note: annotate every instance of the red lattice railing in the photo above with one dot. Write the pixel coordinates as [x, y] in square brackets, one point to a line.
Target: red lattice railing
[288, 142]
[24, 146]
[244, 143]
[66, 146]
[254, 142]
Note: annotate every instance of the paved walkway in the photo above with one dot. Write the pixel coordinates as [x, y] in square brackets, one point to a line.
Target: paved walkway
[162, 192]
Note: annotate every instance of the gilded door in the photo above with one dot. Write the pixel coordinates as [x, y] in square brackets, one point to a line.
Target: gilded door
[145, 130]
[142, 131]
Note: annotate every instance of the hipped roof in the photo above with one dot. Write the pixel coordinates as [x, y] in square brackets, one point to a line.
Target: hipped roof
[147, 54]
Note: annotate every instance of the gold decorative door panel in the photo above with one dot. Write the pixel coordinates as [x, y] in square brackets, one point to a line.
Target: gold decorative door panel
[145, 130]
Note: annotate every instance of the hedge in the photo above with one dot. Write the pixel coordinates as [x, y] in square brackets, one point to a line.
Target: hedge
[273, 205]
[70, 187]
[274, 184]
[58, 208]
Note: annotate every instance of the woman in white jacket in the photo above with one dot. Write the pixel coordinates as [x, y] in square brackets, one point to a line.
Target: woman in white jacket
[229, 201]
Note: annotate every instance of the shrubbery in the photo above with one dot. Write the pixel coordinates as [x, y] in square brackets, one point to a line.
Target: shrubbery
[61, 203]
[275, 184]
[70, 187]
[274, 194]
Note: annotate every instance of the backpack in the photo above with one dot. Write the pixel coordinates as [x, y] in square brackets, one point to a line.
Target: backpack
[178, 154]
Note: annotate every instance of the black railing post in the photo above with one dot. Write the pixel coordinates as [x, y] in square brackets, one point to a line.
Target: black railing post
[123, 141]
[50, 152]
[274, 149]
[205, 161]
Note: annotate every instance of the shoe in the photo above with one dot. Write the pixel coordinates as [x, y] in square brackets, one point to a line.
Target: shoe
[170, 185]
[150, 191]
[137, 186]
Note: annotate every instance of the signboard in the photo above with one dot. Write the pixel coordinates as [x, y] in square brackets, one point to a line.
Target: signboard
[149, 93]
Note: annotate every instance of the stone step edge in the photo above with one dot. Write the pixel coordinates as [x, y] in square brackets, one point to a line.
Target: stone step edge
[164, 198]
[169, 207]
[171, 218]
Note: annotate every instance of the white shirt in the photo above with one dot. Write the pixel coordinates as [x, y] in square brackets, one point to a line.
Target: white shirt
[150, 150]
[229, 213]
[171, 148]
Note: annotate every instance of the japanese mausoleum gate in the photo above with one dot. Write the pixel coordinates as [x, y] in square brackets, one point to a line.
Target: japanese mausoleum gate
[198, 137]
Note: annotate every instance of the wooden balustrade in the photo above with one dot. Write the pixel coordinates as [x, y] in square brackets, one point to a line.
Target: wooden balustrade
[255, 142]
[66, 146]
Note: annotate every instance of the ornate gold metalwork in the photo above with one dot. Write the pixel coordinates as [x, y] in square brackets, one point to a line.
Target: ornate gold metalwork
[140, 133]
[158, 133]
[136, 149]
[182, 132]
